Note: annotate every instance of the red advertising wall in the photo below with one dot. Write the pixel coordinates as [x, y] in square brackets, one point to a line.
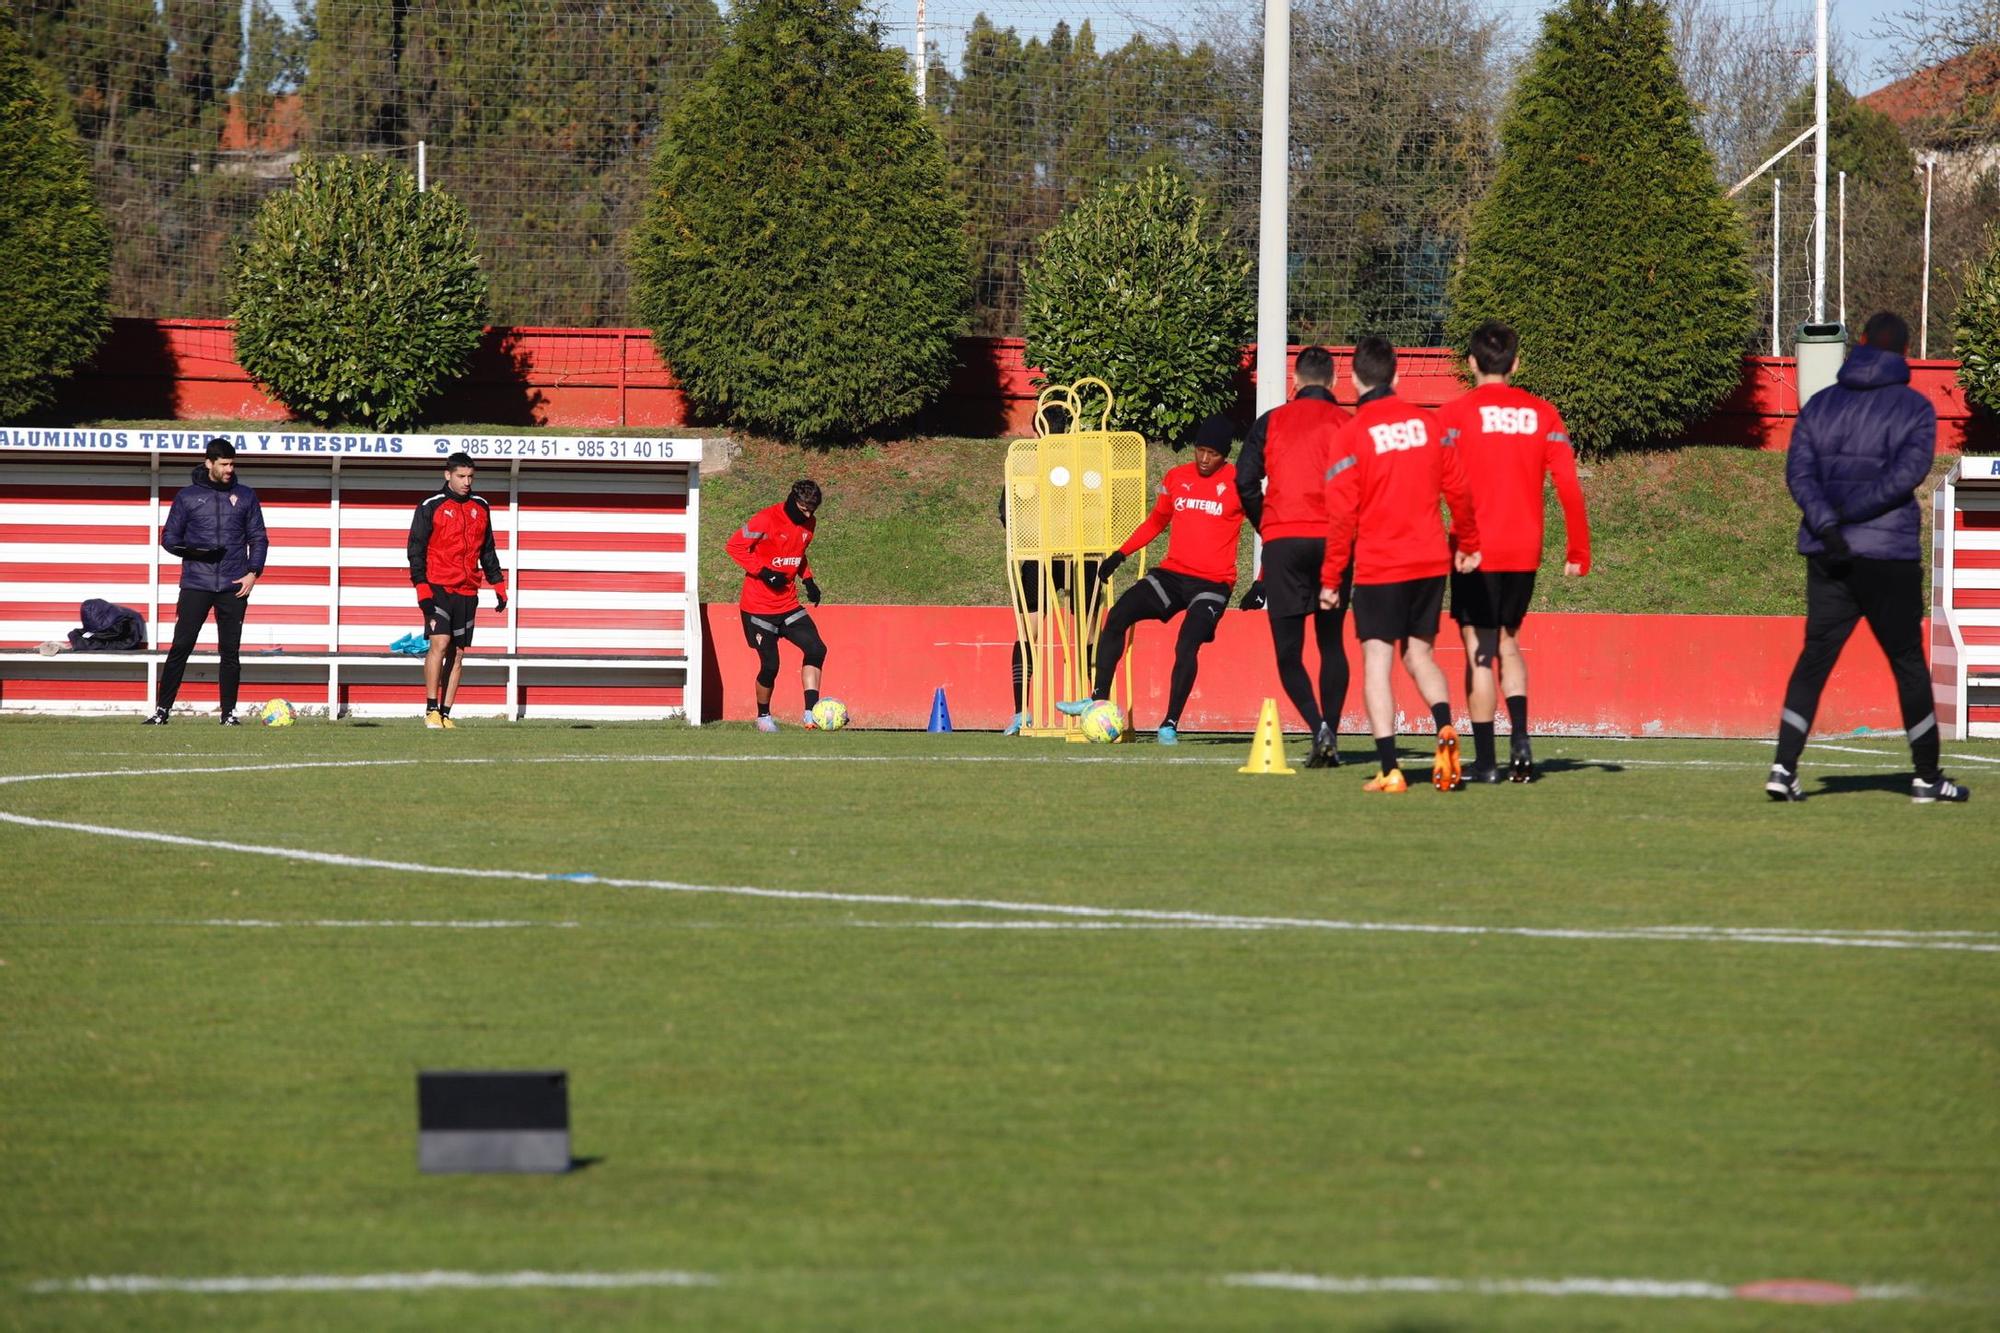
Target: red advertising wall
[186, 369]
[1598, 675]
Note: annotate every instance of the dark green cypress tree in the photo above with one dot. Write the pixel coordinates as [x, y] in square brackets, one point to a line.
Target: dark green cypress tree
[1978, 333]
[803, 261]
[54, 248]
[1604, 238]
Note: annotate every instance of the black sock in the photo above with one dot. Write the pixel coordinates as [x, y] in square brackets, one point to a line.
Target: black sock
[1517, 712]
[812, 697]
[430, 705]
[1482, 743]
[1385, 753]
[444, 710]
[1020, 673]
[763, 710]
[1441, 714]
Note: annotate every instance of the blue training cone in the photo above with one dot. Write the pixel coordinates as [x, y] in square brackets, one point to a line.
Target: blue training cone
[940, 712]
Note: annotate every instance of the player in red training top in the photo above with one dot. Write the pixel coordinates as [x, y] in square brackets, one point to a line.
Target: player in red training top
[1199, 500]
[771, 547]
[450, 546]
[1510, 442]
[1282, 484]
[1390, 467]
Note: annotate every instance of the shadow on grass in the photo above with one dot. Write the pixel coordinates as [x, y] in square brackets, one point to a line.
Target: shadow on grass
[577, 1164]
[1843, 784]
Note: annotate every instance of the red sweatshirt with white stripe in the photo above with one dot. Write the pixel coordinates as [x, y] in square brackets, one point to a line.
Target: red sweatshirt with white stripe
[1389, 469]
[1512, 443]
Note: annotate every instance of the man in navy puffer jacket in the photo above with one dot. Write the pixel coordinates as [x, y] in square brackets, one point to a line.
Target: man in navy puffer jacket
[1859, 452]
[216, 527]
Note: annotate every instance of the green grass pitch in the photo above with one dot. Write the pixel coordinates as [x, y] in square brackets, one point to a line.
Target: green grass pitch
[989, 1034]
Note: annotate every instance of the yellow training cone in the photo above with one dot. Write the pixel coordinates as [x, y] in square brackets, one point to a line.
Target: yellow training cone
[1267, 747]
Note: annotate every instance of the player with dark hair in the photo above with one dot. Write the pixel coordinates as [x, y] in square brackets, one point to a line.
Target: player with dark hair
[216, 527]
[450, 548]
[771, 547]
[1859, 451]
[1511, 443]
[1198, 502]
[1281, 482]
[1390, 468]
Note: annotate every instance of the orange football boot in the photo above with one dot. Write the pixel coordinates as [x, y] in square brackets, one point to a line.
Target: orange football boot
[1446, 774]
[1391, 781]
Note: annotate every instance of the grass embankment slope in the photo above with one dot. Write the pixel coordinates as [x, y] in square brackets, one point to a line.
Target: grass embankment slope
[1695, 530]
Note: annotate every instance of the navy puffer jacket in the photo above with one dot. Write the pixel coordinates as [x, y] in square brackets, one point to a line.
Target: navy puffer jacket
[217, 531]
[1859, 451]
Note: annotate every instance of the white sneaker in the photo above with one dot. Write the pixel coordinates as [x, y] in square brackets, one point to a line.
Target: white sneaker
[767, 723]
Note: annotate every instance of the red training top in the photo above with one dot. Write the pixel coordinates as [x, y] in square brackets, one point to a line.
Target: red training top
[1510, 440]
[771, 540]
[1389, 467]
[1288, 450]
[1206, 515]
[451, 545]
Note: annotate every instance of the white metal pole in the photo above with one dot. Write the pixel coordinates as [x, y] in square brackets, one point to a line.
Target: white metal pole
[1843, 248]
[1274, 196]
[1924, 318]
[1777, 248]
[421, 184]
[1819, 167]
[923, 56]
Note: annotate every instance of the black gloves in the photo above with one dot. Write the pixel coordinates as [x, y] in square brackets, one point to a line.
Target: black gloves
[772, 579]
[1109, 566]
[1253, 597]
[429, 608]
[1835, 542]
[499, 599]
[812, 590]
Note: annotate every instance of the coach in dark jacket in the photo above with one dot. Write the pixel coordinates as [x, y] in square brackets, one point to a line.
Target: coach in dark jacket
[216, 527]
[1859, 451]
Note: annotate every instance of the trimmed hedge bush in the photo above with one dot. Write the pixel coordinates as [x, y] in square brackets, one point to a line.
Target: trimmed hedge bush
[1978, 340]
[1134, 287]
[1605, 240]
[357, 298]
[55, 250]
[803, 262]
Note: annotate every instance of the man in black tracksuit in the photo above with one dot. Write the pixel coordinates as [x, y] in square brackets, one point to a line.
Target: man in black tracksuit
[216, 528]
[1859, 451]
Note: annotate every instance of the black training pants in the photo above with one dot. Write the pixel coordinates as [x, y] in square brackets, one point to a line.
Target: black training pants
[1889, 594]
[190, 615]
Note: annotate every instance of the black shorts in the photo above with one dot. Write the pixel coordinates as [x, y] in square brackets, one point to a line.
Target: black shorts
[794, 627]
[1480, 600]
[452, 613]
[1396, 611]
[1164, 594]
[1031, 580]
[1292, 575]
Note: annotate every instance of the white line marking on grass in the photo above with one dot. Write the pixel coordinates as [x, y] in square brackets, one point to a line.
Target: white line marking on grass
[1629, 1287]
[241, 923]
[1848, 749]
[1208, 919]
[1971, 759]
[139, 1284]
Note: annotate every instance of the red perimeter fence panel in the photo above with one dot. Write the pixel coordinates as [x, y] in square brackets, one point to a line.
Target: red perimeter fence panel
[1591, 675]
[185, 369]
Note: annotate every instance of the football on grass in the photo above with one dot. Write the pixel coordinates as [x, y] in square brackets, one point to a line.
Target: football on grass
[829, 714]
[1103, 724]
[277, 713]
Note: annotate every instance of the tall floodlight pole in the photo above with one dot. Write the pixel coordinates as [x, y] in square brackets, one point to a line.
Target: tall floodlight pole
[1924, 318]
[1819, 169]
[1273, 199]
[1843, 247]
[924, 60]
[1777, 248]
